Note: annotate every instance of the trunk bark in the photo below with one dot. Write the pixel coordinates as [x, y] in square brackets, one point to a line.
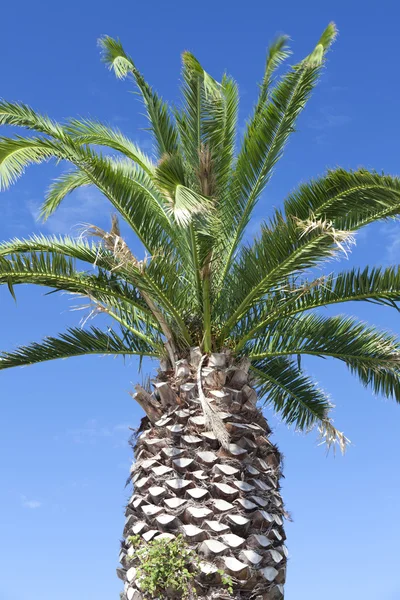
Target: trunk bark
[221, 495]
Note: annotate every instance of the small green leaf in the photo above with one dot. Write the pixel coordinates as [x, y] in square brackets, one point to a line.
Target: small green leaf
[11, 288]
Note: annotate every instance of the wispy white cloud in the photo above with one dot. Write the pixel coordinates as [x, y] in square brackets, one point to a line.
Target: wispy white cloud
[93, 432]
[328, 118]
[16, 218]
[30, 504]
[391, 235]
[83, 206]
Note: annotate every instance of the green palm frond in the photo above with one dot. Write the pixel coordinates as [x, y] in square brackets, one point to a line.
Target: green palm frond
[220, 124]
[54, 257]
[18, 153]
[56, 270]
[277, 53]
[60, 188]
[284, 248]
[49, 262]
[89, 132]
[158, 112]
[130, 190]
[376, 285]
[371, 354]
[296, 398]
[193, 281]
[198, 90]
[320, 220]
[186, 204]
[77, 342]
[207, 126]
[266, 136]
[21, 115]
[83, 250]
[347, 199]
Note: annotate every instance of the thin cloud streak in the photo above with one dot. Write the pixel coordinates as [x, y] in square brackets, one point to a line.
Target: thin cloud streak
[328, 119]
[82, 206]
[92, 432]
[30, 504]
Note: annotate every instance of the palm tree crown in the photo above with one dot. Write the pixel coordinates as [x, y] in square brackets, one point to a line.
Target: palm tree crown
[197, 283]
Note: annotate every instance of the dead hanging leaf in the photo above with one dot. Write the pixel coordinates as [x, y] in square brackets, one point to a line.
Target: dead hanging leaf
[332, 437]
[212, 418]
[344, 240]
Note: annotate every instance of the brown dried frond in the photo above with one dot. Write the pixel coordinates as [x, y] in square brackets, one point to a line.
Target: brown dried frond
[115, 228]
[205, 172]
[113, 242]
[343, 239]
[332, 437]
[213, 420]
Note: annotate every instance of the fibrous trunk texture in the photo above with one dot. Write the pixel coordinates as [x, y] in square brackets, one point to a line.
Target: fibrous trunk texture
[221, 494]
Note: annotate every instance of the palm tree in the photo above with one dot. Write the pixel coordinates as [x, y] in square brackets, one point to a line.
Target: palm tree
[228, 321]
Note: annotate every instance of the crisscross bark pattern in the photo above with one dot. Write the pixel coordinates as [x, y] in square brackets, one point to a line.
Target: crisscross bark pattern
[223, 498]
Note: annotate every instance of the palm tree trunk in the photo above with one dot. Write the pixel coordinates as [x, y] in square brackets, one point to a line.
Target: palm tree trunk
[221, 495]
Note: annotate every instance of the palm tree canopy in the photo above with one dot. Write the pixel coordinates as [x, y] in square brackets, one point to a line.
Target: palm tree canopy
[197, 282]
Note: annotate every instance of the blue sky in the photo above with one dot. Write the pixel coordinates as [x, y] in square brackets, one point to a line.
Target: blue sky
[64, 456]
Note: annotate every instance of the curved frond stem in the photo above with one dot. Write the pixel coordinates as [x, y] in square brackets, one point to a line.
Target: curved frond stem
[75, 342]
[393, 363]
[125, 325]
[297, 399]
[207, 310]
[158, 111]
[266, 137]
[372, 354]
[277, 53]
[303, 249]
[53, 270]
[322, 215]
[145, 283]
[350, 199]
[371, 285]
[16, 114]
[87, 132]
[196, 263]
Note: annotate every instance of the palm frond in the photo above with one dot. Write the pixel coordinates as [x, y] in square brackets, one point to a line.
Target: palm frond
[96, 254]
[219, 137]
[21, 115]
[18, 153]
[320, 220]
[207, 126]
[371, 354]
[188, 203]
[284, 249]
[57, 270]
[77, 342]
[127, 186]
[347, 199]
[197, 87]
[180, 201]
[47, 262]
[376, 285]
[277, 53]
[129, 189]
[296, 398]
[80, 249]
[266, 136]
[85, 131]
[60, 188]
[158, 111]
